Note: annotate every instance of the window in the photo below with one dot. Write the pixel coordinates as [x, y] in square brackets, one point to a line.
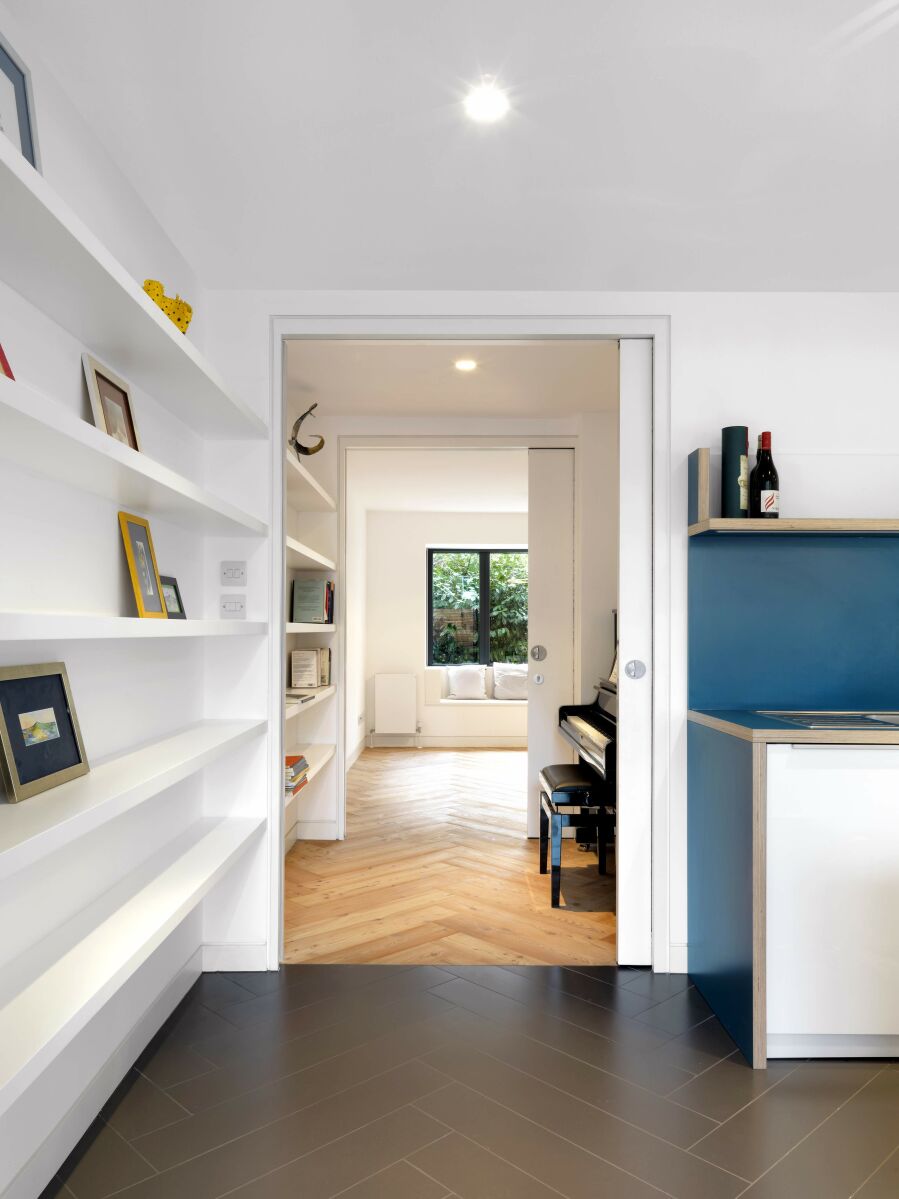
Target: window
[478, 606]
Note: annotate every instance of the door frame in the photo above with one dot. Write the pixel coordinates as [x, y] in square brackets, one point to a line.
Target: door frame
[491, 328]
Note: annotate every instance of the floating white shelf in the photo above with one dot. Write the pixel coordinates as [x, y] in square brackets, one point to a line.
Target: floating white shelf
[292, 628]
[78, 626]
[50, 256]
[294, 707]
[305, 493]
[301, 557]
[53, 990]
[318, 756]
[30, 830]
[38, 433]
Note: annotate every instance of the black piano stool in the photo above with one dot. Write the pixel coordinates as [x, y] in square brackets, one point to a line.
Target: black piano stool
[570, 797]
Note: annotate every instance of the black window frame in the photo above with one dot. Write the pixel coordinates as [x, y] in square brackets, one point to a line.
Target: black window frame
[484, 657]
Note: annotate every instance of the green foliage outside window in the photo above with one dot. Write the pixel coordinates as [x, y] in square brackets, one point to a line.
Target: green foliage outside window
[458, 606]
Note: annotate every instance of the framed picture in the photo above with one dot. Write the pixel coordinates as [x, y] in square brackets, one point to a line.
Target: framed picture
[142, 566]
[17, 105]
[110, 402]
[171, 595]
[5, 368]
[40, 740]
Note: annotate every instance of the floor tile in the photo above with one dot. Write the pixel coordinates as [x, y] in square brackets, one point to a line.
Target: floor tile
[884, 1182]
[678, 1014]
[638, 1153]
[839, 1156]
[473, 1173]
[342, 1163]
[138, 1106]
[167, 1064]
[591, 989]
[555, 1162]
[400, 1181]
[217, 991]
[56, 1189]
[617, 976]
[191, 1022]
[657, 987]
[300, 990]
[267, 1149]
[242, 1114]
[759, 1135]
[729, 1085]
[698, 1049]
[102, 1164]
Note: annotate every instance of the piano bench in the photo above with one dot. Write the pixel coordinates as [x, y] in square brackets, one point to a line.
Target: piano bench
[570, 797]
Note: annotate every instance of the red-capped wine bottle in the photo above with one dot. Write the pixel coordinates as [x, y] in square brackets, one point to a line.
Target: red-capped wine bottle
[767, 484]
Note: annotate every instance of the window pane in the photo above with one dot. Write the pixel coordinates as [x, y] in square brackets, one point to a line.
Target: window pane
[455, 587]
[509, 607]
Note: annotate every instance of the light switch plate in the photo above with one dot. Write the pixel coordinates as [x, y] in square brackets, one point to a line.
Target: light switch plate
[233, 607]
[234, 574]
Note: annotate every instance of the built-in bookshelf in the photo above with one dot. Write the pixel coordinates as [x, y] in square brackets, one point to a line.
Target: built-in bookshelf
[118, 887]
[310, 727]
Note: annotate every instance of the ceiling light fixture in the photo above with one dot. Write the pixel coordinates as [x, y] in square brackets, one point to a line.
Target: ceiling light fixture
[487, 102]
[465, 364]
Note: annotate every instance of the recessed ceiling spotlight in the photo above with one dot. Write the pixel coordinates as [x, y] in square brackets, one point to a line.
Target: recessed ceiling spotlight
[465, 364]
[487, 102]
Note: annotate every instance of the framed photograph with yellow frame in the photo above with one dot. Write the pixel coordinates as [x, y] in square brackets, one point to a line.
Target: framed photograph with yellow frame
[40, 738]
[142, 567]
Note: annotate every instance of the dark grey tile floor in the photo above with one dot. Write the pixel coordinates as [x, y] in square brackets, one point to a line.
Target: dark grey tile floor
[479, 1082]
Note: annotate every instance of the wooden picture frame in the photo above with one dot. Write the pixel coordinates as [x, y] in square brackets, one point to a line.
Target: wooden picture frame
[40, 739]
[142, 567]
[110, 398]
[171, 597]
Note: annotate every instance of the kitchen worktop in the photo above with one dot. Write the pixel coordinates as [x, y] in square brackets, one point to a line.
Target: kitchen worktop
[753, 726]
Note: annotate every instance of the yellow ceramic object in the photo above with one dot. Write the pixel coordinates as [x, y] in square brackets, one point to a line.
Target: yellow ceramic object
[177, 310]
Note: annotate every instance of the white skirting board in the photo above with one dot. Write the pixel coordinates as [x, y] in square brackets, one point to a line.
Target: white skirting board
[316, 830]
[815, 1045]
[217, 958]
[438, 742]
[354, 755]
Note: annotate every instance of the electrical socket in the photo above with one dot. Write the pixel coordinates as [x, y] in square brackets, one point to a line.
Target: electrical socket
[234, 574]
[233, 607]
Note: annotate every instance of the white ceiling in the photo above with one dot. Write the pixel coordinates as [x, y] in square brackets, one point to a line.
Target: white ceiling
[705, 144]
[423, 480]
[402, 378]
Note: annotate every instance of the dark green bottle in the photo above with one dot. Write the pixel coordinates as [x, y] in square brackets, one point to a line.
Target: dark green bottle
[735, 471]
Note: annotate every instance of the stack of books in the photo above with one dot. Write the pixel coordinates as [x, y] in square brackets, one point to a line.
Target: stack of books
[313, 601]
[310, 668]
[295, 768]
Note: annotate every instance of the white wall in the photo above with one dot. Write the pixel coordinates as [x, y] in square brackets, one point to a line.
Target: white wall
[396, 617]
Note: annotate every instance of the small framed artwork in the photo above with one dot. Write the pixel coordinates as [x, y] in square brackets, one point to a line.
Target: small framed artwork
[17, 105]
[40, 739]
[171, 595]
[142, 566]
[5, 368]
[110, 402]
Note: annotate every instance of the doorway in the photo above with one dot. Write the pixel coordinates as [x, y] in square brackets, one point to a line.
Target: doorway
[353, 440]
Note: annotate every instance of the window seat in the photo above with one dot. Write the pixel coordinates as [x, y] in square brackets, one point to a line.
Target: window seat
[437, 692]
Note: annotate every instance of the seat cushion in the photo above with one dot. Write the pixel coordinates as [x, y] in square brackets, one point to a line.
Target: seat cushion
[510, 680]
[467, 682]
[569, 777]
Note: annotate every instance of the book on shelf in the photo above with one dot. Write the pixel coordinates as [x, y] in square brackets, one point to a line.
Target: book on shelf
[313, 601]
[295, 774]
[310, 668]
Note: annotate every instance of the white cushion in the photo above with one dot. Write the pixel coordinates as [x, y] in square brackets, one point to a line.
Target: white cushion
[466, 682]
[510, 680]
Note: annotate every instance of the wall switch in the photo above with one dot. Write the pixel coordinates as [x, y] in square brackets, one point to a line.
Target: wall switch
[233, 607]
[234, 574]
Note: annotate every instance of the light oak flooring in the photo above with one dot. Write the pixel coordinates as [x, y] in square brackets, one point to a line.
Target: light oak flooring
[436, 869]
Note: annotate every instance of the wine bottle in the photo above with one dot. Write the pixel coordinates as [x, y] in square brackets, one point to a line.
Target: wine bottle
[768, 482]
[735, 471]
[754, 497]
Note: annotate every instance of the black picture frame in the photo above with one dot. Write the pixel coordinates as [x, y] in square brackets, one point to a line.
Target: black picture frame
[18, 76]
[170, 585]
[40, 739]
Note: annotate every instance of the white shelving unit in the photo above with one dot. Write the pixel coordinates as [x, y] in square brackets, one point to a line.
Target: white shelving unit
[318, 757]
[301, 557]
[297, 707]
[305, 493]
[119, 887]
[295, 629]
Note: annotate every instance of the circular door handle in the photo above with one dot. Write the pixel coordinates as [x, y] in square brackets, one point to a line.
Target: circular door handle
[538, 652]
[635, 669]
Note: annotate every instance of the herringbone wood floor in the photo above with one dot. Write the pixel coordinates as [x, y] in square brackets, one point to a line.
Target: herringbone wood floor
[436, 868]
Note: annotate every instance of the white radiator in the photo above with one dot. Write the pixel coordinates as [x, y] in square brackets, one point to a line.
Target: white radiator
[396, 709]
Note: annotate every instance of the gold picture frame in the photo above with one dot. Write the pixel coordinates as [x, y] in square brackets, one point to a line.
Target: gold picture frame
[110, 398]
[34, 717]
[141, 556]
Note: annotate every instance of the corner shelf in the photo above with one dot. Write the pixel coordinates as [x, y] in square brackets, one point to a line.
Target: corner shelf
[51, 258]
[304, 492]
[294, 708]
[29, 831]
[85, 626]
[301, 557]
[50, 993]
[318, 756]
[785, 525]
[41, 435]
[292, 628]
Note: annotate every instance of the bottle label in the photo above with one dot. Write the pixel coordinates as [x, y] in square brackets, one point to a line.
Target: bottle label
[770, 502]
[743, 481]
